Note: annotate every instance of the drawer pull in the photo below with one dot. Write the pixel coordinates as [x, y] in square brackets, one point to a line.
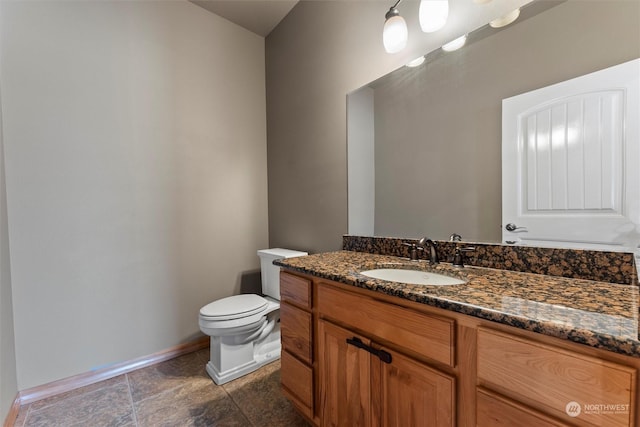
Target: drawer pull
[381, 354]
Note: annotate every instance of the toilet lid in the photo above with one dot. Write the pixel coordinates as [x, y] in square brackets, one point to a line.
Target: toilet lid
[234, 307]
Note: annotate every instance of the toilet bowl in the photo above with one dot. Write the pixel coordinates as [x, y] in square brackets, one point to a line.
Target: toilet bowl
[245, 329]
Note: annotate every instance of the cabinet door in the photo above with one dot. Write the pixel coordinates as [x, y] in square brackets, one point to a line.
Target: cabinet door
[413, 394]
[345, 388]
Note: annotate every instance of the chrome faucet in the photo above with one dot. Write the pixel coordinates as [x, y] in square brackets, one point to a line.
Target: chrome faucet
[430, 245]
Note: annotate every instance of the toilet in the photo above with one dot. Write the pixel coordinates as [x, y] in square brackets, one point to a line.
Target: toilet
[245, 329]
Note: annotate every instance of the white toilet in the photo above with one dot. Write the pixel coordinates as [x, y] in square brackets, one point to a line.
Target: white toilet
[245, 329]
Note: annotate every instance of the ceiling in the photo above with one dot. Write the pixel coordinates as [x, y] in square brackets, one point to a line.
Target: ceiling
[258, 16]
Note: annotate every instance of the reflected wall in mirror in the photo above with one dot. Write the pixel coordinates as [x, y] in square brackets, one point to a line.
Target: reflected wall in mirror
[435, 166]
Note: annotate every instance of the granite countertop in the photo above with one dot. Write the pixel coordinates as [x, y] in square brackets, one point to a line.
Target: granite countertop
[597, 314]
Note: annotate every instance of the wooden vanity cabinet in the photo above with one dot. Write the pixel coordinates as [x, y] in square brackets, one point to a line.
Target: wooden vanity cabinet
[446, 368]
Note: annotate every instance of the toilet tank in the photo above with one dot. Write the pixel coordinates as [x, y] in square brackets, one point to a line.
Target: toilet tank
[271, 273]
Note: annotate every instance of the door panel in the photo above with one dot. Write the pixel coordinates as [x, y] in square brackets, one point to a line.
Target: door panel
[344, 371]
[569, 156]
[414, 394]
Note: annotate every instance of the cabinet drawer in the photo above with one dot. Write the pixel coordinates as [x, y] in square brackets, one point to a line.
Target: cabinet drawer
[295, 290]
[497, 411]
[295, 329]
[297, 380]
[427, 335]
[525, 370]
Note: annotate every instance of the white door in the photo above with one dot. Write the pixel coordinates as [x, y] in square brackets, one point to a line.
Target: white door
[571, 162]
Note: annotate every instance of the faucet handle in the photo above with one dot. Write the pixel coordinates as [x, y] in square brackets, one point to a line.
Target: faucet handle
[455, 237]
[458, 256]
[413, 250]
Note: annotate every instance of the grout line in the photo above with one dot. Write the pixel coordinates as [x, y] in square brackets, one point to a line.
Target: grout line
[236, 405]
[133, 406]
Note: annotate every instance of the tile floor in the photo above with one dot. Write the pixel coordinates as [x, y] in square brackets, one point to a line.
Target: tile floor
[177, 392]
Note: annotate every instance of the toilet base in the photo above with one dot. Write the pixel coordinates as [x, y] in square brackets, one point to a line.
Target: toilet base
[232, 356]
[267, 353]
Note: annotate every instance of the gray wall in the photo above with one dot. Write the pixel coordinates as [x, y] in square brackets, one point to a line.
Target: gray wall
[438, 128]
[135, 153]
[320, 52]
[8, 377]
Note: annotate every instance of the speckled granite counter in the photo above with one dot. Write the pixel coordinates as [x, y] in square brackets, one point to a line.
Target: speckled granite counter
[597, 314]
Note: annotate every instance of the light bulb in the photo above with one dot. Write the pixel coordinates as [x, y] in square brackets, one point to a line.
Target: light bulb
[433, 14]
[395, 33]
[455, 44]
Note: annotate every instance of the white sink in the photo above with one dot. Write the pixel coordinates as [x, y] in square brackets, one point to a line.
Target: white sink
[414, 277]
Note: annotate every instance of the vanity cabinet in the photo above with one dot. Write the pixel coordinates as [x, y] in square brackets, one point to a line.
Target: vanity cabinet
[353, 357]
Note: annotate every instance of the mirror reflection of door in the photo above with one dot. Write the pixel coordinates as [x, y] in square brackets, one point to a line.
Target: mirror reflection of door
[570, 162]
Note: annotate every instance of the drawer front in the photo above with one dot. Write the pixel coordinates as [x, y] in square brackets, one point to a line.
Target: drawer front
[297, 380]
[554, 378]
[497, 411]
[295, 331]
[427, 335]
[295, 290]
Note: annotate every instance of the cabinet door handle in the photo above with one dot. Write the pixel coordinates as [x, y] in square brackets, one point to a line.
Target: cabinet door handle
[381, 354]
[357, 342]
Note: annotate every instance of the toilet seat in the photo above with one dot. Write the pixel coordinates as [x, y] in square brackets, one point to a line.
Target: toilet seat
[234, 314]
[234, 307]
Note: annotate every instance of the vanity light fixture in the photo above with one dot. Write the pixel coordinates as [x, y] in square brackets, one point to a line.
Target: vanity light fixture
[416, 62]
[505, 20]
[455, 44]
[395, 33]
[433, 14]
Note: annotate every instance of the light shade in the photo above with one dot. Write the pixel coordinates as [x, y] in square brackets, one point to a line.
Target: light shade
[416, 62]
[505, 20]
[433, 14]
[395, 33]
[455, 44]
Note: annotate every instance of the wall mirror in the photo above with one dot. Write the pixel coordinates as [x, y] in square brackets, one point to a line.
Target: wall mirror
[424, 143]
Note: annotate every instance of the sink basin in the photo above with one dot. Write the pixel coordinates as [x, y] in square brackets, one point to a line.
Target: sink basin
[414, 277]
